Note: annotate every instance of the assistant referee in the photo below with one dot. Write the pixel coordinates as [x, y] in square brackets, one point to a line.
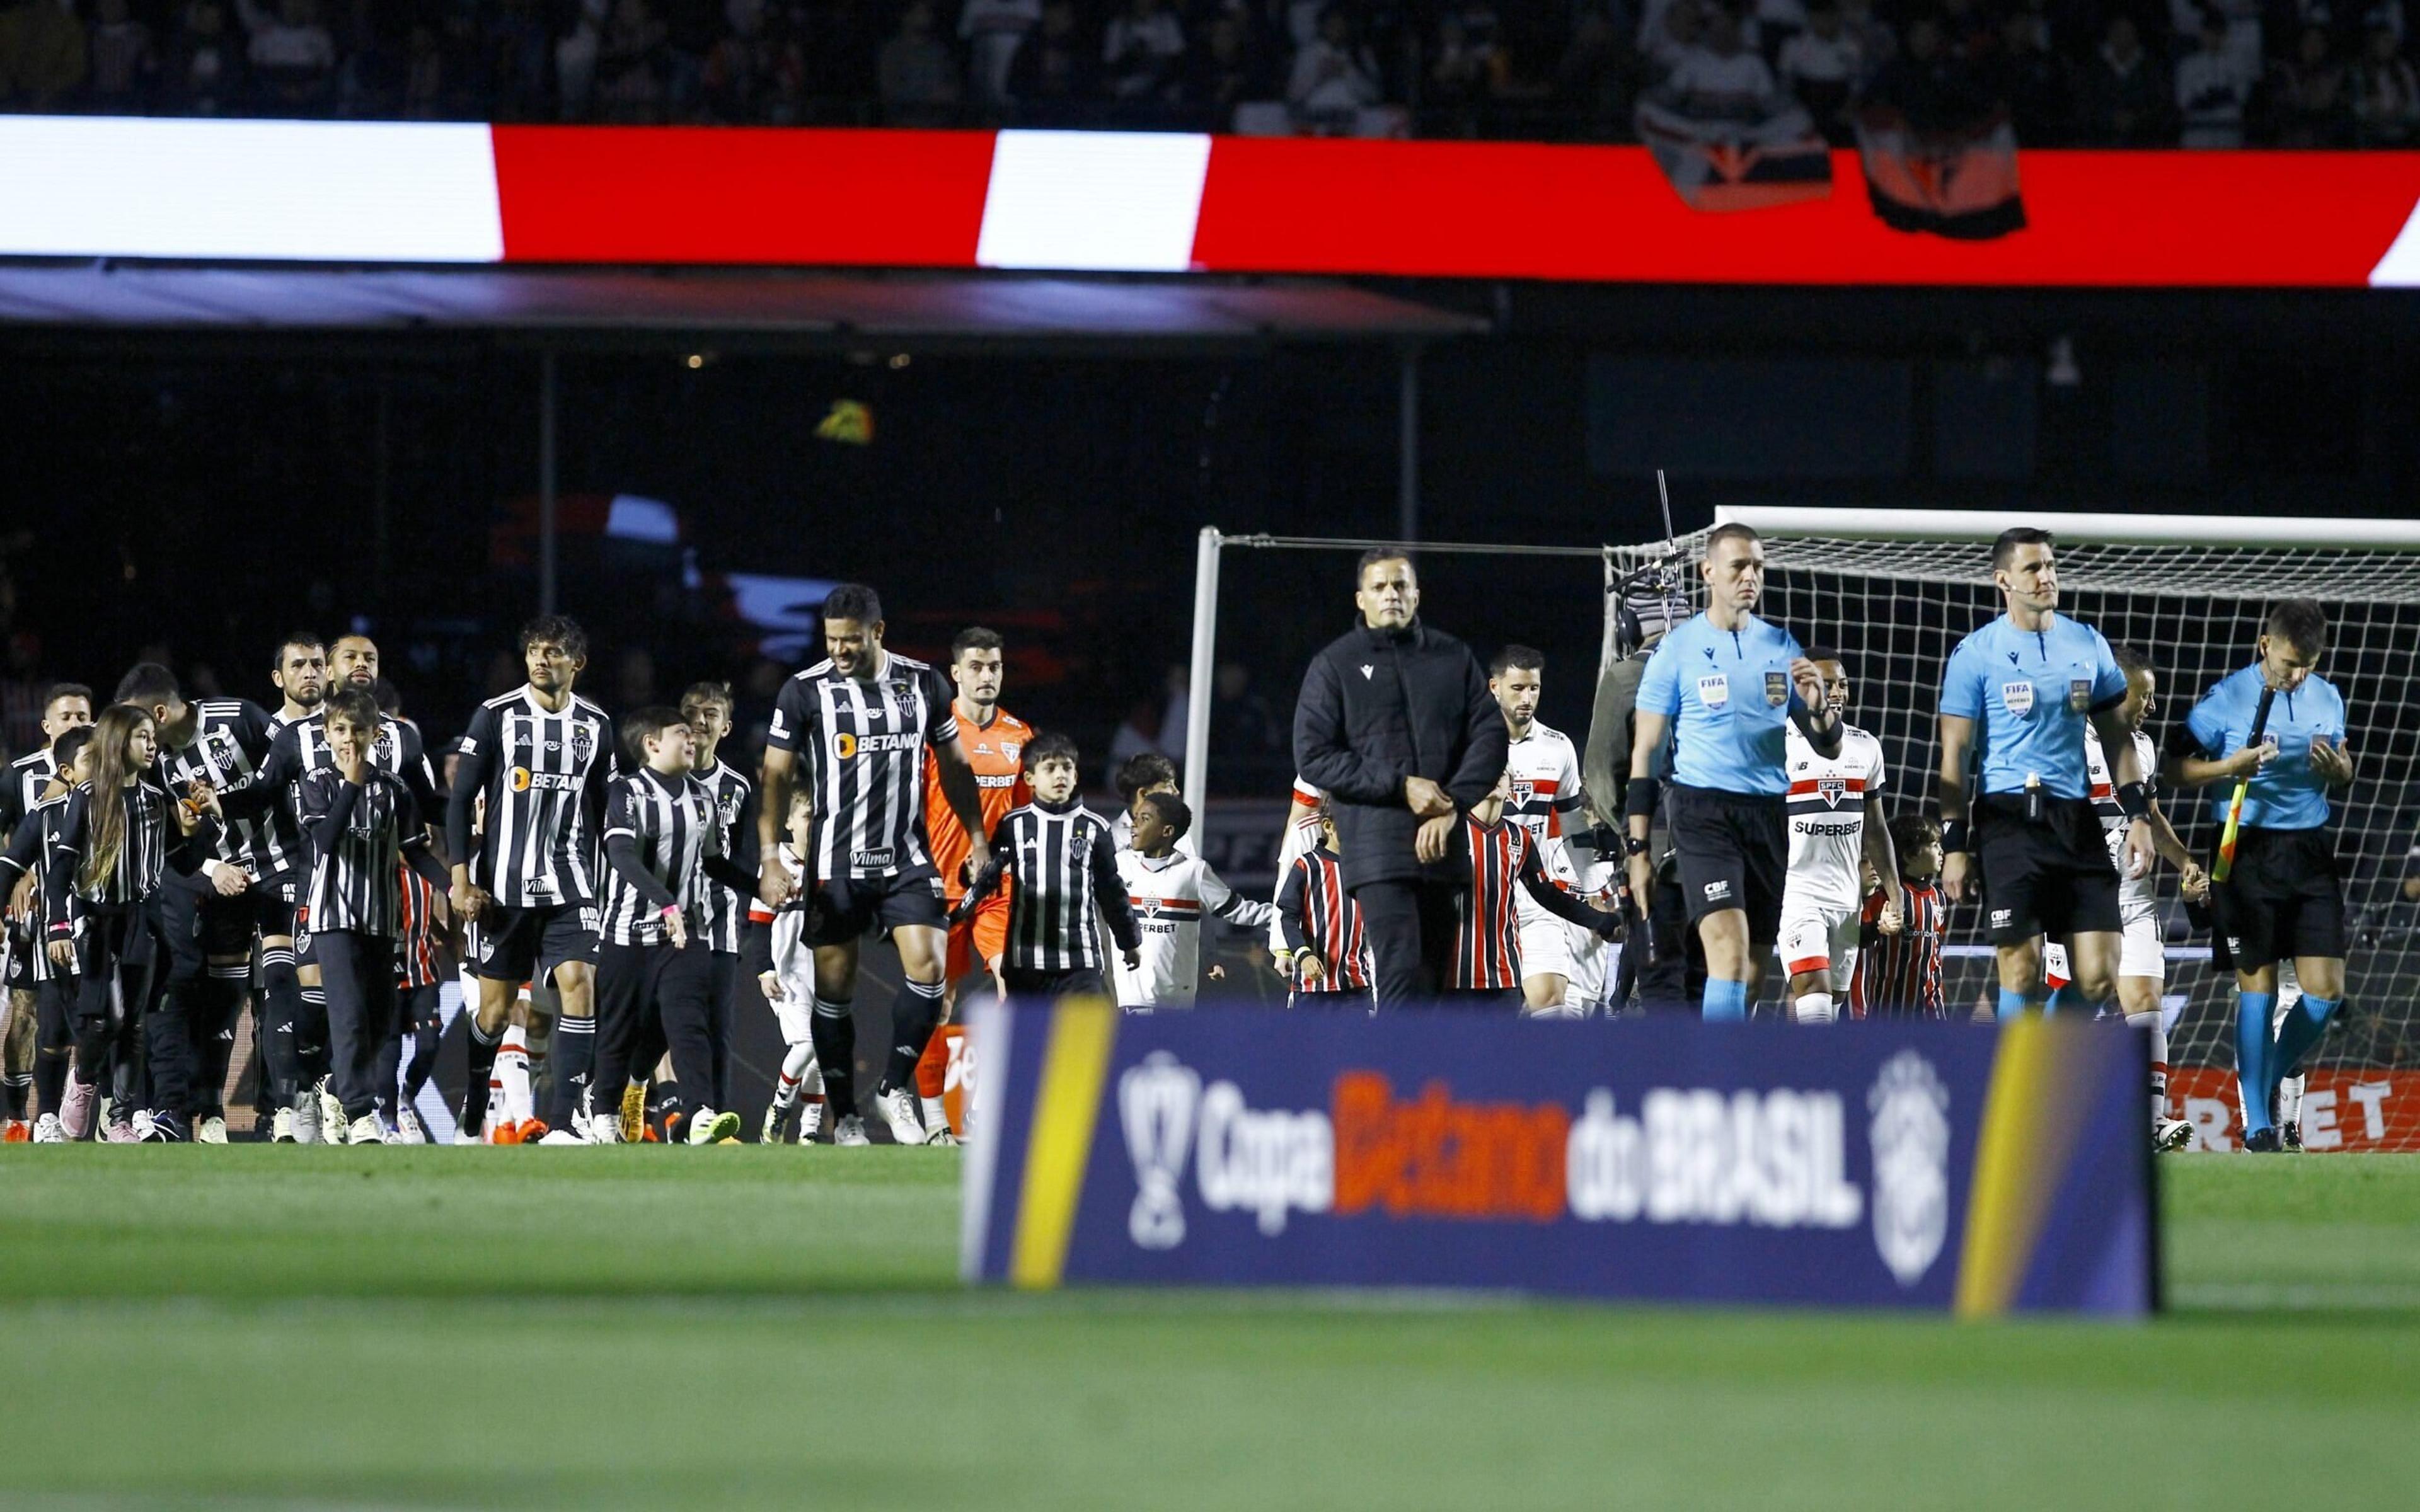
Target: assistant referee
[2283, 899]
[2028, 684]
[1723, 687]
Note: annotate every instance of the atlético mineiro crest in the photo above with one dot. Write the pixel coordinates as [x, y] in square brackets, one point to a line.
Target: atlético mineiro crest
[583, 744]
[1830, 789]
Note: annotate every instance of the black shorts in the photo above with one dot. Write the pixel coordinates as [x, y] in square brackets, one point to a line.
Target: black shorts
[1734, 853]
[520, 945]
[2284, 900]
[202, 923]
[1047, 986]
[2048, 876]
[852, 908]
[21, 949]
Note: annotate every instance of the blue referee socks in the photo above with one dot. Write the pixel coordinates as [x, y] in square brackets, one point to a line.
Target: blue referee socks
[1725, 1002]
[2295, 1037]
[2064, 999]
[2012, 1005]
[2252, 1053]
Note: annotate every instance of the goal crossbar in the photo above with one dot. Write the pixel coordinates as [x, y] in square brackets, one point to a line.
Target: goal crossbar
[2281, 533]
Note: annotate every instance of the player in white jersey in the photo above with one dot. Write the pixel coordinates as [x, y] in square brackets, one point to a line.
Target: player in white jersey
[1835, 822]
[1543, 768]
[1171, 891]
[2141, 951]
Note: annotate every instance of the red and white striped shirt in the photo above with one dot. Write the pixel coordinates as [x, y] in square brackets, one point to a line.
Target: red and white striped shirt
[1319, 916]
[1504, 865]
[1898, 976]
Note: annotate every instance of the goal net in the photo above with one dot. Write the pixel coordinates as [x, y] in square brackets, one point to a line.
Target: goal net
[1895, 591]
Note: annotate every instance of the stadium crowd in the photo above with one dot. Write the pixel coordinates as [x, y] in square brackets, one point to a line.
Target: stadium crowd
[2136, 73]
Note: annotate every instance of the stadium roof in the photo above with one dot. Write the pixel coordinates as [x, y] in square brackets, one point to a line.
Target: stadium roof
[815, 308]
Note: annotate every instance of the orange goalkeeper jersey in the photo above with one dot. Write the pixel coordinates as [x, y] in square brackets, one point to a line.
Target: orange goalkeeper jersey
[997, 752]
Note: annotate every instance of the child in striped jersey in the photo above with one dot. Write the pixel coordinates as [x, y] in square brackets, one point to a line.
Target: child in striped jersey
[1325, 956]
[1064, 864]
[360, 825]
[663, 845]
[785, 969]
[1898, 976]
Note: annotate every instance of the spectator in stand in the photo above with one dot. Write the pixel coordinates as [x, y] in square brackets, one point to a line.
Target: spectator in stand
[125, 62]
[1142, 50]
[1821, 65]
[2386, 95]
[293, 58]
[1594, 77]
[2122, 101]
[2033, 80]
[2310, 95]
[993, 30]
[2212, 89]
[205, 70]
[915, 71]
[1681, 32]
[1877, 44]
[1055, 69]
[423, 74]
[1771, 24]
[1245, 746]
[1334, 76]
[744, 67]
[1721, 80]
[634, 64]
[1226, 71]
[42, 57]
[1463, 73]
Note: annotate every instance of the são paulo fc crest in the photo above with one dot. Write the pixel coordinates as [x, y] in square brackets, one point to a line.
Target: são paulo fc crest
[1910, 1133]
[1776, 688]
[1830, 789]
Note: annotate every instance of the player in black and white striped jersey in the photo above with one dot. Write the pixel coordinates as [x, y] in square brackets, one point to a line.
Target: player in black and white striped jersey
[33, 852]
[1066, 866]
[254, 887]
[66, 707]
[866, 720]
[706, 706]
[361, 823]
[526, 885]
[663, 849]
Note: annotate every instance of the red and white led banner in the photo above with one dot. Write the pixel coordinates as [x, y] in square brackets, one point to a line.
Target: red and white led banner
[1165, 203]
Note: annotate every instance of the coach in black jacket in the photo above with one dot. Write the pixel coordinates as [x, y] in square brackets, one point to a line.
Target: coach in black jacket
[1396, 724]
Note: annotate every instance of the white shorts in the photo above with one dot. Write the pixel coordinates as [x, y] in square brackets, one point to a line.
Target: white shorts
[1548, 945]
[795, 1007]
[1817, 938]
[2141, 951]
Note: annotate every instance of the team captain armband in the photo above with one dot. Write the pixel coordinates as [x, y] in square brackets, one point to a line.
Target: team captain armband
[2134, 800]
[1641, 799]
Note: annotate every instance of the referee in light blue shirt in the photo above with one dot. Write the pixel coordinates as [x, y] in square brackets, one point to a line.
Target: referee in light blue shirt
[2017, 696]
[2283, 898]
[1724, 687]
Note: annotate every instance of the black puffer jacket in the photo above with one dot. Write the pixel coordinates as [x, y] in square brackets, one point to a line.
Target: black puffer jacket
[1378, 707]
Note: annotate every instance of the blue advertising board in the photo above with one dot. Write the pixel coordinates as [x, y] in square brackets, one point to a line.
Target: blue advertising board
[1905, 1166]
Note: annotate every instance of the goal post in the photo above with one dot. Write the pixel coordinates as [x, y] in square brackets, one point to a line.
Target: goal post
[1896, 590]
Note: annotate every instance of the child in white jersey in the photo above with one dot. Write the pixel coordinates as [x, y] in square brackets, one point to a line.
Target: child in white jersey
[1170, 891]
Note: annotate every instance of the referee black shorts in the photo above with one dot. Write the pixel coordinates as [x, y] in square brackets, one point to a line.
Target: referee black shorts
[2283, 899]
[2050, 875]
[520, 945]
[850, 908]
[1734, 853]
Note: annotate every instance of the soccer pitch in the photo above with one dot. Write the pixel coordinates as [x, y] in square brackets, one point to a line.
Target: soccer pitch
[264, 1327]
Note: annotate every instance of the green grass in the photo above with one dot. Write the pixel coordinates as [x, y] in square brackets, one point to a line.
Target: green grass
[273, 1327]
